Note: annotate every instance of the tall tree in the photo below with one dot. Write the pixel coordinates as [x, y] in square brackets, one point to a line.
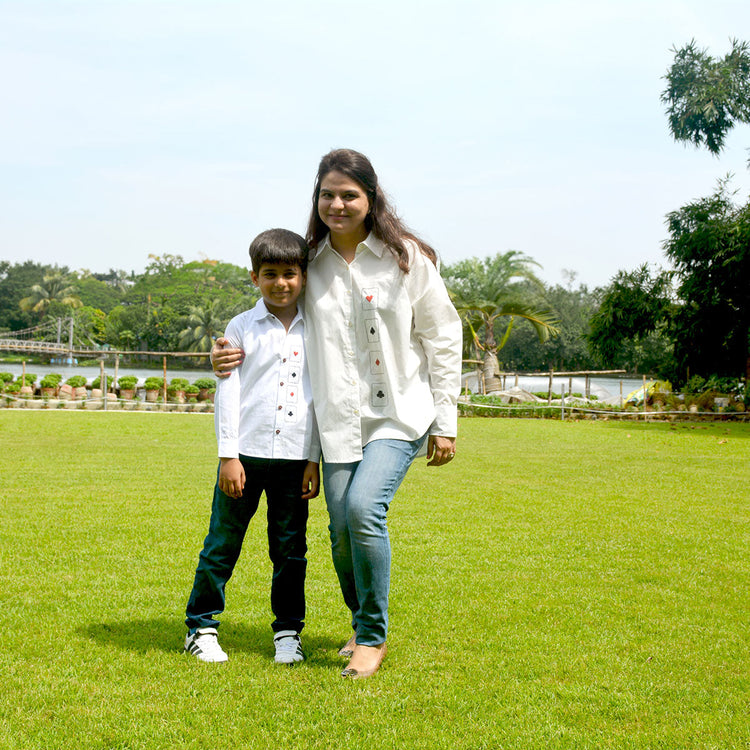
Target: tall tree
[706, 96]
[709, 245]
[204, 325]
[628, 329]
[488, 293]
[55, 287]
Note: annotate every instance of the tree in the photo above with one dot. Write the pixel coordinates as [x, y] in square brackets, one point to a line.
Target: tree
[632, 315]
[569, 350]
[205, 324]
[709, 245]
[15, 282]
[486, 291]
[706, 96]
[55, 287]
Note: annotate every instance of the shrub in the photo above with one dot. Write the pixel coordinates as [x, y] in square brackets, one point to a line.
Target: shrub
[6, 377]
[191, 390]
[128, 382]
[179, 384]
[205, 383]
[28, 379]
[154, 383]
[14, 387]
[51, 380]
[76, 381]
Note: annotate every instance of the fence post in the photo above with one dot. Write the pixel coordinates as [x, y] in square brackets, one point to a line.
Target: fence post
[562, 402]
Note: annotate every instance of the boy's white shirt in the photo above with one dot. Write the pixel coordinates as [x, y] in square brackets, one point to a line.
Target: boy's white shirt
[264, 408]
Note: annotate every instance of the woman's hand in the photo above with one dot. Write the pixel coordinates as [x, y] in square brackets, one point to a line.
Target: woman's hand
[440, 449]
[224, 359]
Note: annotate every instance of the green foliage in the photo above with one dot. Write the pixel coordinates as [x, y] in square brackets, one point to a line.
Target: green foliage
[709, 245]
[127, 382]
[15, 284]
[205, 383]
[191, 390]
[632, 314]
[153, 383]
[51, 380]
[6, 377]
[28, 379]
[76, 381]
[56, 286]
[179, 383]
[706, 96]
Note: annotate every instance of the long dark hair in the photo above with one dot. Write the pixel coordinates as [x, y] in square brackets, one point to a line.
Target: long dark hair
[381, 219]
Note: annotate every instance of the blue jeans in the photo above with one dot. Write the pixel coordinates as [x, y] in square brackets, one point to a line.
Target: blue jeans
[358, 496]
[287, 544]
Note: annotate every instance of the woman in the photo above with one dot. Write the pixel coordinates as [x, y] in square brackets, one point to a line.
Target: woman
[384, 351]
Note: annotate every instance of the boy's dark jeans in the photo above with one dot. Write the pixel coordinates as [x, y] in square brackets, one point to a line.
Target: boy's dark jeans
[287, 524]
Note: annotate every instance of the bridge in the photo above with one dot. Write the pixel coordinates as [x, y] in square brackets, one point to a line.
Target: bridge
[25, 341]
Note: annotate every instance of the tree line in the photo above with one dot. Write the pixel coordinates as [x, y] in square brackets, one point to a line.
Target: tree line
[692, 319]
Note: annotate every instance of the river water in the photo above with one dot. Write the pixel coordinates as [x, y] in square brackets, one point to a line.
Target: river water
[602, 387]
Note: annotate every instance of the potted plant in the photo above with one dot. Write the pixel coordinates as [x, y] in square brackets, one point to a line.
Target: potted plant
[204, 385]
[49, 384]
[5, 378]
[153, 386]
[78, 385]
[127, 385]
[12, 391]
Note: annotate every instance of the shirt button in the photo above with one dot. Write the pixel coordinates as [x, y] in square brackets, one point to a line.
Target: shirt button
[278, 432]
[284, 360]
[280, 407]
[356, 412]
[281, 383]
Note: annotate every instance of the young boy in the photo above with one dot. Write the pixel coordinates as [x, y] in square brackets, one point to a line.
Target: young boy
[267, 440]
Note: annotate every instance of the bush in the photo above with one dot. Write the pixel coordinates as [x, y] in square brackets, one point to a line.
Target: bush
[28, 379]
[128, 382]
[6, 377]
[14, 387]
[179, 384]
[76, 381]
[51, 380]
[205, 383]
[154, 383]
[191, 390]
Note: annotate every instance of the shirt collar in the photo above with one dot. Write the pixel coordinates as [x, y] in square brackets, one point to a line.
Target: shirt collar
[265, 314]
[371, 243]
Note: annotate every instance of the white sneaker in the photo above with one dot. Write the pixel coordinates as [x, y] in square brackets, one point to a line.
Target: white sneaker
[288, 647]
[204, 645]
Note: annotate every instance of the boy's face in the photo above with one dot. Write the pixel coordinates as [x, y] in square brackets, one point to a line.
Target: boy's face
[280, 284]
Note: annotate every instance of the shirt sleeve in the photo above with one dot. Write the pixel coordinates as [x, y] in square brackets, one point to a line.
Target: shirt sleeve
[227, 403]
[438, 328]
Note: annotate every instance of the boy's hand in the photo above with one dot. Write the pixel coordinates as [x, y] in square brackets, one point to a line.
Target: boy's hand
[224, 359]
[232, 477]
[311, 481]
[440, 449]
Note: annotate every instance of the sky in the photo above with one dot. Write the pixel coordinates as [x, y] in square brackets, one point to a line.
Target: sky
[142, 128]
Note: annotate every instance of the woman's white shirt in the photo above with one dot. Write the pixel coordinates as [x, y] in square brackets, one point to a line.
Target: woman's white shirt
[383, 348]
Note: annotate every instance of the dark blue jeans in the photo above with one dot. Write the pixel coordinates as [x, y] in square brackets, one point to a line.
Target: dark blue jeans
[287, 545]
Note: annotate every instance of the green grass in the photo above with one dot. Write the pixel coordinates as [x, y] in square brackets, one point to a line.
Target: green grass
[561, 585]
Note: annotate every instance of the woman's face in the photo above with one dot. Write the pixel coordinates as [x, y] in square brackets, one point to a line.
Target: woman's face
[343, 205]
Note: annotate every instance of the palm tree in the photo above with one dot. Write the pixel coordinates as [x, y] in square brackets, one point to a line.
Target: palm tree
[204, 324]
[485, 291]
[55, 287]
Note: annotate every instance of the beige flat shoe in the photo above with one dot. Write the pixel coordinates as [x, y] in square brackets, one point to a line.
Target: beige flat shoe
[355, 673]
[348, 648]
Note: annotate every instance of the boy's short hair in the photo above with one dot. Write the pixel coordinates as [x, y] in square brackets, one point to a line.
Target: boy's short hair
[279, 246]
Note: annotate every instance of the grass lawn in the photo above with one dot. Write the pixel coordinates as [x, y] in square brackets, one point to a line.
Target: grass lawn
[560, 585]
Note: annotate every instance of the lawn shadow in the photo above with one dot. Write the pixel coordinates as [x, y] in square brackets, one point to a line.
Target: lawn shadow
[168, 634]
